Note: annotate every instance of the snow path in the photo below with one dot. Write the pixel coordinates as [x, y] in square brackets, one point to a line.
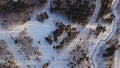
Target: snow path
[93, 19]
[35, 31]
[109, 37]
[96, 11]
[76, 41]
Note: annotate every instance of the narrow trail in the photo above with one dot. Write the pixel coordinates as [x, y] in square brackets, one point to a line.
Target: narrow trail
[70, 46]
[76, 41]
[110, 35]
[96, 11]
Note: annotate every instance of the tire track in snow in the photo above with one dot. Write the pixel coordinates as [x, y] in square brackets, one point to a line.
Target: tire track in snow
[75, 41]
[110, 35]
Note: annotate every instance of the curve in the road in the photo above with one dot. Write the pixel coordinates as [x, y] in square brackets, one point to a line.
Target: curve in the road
[110, 35]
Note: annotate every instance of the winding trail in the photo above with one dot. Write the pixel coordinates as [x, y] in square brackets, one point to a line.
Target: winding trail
[96, 11]
[92, 20]
[110, 35]
[72, 45]
[76, 41]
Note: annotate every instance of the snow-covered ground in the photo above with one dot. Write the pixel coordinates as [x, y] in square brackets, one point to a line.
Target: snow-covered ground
[108, 37]
[38, 31]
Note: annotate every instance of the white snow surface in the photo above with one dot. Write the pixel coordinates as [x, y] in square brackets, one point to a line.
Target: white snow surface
[38, 31]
